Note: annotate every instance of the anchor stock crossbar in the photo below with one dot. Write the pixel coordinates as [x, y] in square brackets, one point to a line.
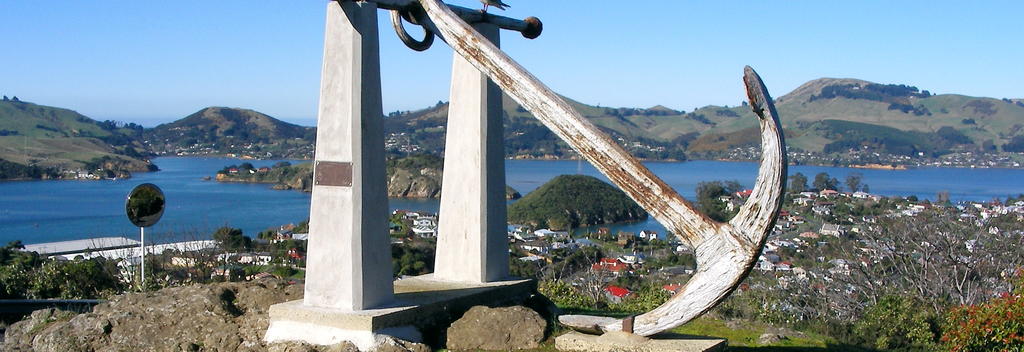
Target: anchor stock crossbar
[347, 246]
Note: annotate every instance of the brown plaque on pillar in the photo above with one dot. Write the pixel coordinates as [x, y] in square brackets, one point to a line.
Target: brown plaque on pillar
[333, 173]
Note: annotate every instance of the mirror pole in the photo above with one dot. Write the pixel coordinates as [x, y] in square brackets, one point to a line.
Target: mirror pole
[142, 258]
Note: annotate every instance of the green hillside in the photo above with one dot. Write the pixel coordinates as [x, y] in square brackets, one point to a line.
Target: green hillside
[47, 137]
[911, 122]
[216, 130]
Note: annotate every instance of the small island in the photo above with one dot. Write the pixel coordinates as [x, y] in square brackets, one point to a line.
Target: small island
[415, 176]
[569, 201]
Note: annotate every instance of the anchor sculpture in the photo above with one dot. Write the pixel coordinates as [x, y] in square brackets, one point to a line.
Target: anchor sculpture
[348, 174]
[725, 252]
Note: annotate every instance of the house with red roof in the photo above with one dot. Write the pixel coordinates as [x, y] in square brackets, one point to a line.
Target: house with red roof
[611, 265]
[672, 288]
[616, 294]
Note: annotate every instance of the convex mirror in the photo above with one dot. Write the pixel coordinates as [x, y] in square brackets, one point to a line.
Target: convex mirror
[145, 205]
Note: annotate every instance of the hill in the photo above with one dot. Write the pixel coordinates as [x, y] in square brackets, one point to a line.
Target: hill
[38, 141]
[825, 115]
[220, 130]
[569, 201]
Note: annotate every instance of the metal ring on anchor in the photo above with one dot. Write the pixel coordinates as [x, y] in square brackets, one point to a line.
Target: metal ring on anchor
[418, 45]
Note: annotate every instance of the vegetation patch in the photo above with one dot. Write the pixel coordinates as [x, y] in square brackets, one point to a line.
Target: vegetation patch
[570, 201]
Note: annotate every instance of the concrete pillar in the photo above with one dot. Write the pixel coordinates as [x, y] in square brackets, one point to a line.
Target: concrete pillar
[348, 264]
[472, 244]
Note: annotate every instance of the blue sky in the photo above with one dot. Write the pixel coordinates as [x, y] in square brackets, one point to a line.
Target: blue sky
[156, 61]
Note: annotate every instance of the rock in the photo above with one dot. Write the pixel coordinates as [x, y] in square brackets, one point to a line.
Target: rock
[21, 333]
[294, 346]
[617, 341]
[508, 328]
[216, 317]
[391, 344]
[769, 338]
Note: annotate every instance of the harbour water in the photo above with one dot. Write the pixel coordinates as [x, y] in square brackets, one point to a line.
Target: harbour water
[46, 211]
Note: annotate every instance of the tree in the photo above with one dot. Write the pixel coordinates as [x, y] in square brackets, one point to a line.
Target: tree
[797, 183]
[231, 239]
[853, 181]
[936, 257]
[709, 198]
[823, 181]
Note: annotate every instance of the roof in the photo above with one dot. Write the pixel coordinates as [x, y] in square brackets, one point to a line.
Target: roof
[617, 291]
[78, 246]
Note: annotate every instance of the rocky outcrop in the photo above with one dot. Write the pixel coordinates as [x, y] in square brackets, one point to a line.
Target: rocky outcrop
[415, 183]
[497, 329]
[217, 317]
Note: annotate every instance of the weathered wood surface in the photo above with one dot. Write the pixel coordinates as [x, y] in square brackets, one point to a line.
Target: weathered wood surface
[725, 252]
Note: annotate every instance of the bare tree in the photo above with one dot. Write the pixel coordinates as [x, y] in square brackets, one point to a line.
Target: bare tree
[936, 255]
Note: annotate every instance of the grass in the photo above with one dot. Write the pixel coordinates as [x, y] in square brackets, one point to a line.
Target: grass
[740, 336]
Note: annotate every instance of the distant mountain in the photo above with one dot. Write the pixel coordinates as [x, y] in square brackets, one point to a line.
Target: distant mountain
[217, 130]
[824, 115]
[50, 140]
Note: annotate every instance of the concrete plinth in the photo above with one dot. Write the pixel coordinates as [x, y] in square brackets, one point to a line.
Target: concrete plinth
[472, 244]
[348, 266]
[418, 302]
[620, 341]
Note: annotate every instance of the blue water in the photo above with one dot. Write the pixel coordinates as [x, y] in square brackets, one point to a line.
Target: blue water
[45, 211]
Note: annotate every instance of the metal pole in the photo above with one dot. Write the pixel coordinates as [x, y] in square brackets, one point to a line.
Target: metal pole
[142, 257]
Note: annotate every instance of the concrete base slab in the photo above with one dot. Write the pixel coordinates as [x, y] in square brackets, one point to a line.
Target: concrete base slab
[419, 302]
[621, 341]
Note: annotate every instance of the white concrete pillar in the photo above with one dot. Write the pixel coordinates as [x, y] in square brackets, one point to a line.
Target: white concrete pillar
[471, 242]
[348, 264]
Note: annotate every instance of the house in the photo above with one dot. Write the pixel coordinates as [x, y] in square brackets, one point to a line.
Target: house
[648, 235]
[803, 201]
[797, 219]
[635, 258]
[811, 195]
[425, 231]
[425, 221]
[744, 193]
[254, 258]
[822, 210]
[616, 294]
[296, 254]
[542, 233]
[626, 238]
[233, 170]
[183, 261]
[828, 193]
[810, 235]
[536, 246]
[672, 288]
[610, 265]
[263, 170]
[832, 230]
[258, 276]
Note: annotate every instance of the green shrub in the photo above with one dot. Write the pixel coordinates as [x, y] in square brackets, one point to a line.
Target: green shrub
[899, 323]
[565, 296]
